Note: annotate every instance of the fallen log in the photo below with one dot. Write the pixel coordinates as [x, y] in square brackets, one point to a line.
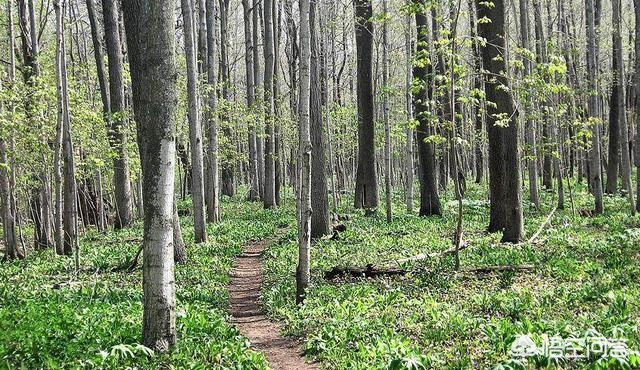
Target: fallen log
[499, 268]
[368, 272]
[424, 256]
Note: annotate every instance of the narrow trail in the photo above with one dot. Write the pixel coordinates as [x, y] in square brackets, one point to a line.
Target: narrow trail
[249, 317]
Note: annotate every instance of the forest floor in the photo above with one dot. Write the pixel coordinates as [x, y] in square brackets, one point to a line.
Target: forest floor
[585, 283]
[248, 315]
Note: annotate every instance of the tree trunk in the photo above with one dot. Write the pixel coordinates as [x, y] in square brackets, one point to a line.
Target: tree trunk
[593, 111]
[502, 125]
[228, 187]
[385, 112]
[621, 102]
[320, 224]
[254, 186]
[409, 111]
[269, 142]
[117, 132]
[195, 129]
[213, 191]
[422, 72]
[636, 5]
[151, 42]
[530, 125]
[366, 192]
[304, 213]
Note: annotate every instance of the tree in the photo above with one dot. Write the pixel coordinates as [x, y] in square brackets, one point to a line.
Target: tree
[151, 43]
[320, 223]
[228, 186]
[530, 125]
[593, 108]
[303, 275]
[213, 188]
[502, 126]
[195, 129]
[422, 72]
[366, 192]
[117, 116]
[269, 197]
[409, 111]
[254, 185]
[385, 111]
[621, 102]
[636, 5]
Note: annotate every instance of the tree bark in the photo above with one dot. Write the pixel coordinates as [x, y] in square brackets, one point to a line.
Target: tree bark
[151, 45]
[195, 129]
[593, 110]
[366, 192]
[269, 142]
[320, 224]
[422, 72]
[303, 275]
[385, 113]
[213, 191]
[254, 186]
[117, 132]
[502, 126]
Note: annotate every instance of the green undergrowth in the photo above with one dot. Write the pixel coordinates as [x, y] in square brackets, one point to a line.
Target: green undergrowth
[50, 318]
[585, 282]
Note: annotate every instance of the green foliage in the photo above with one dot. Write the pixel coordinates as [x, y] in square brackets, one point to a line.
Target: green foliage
[585, 280]
[50, 318]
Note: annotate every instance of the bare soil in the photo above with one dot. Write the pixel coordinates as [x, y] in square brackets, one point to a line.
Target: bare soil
[248, 315]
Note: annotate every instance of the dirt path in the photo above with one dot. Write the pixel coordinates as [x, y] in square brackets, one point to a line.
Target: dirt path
[248, 316]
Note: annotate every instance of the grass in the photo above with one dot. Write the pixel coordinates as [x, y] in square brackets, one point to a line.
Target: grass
[586, 281]
[52, 319]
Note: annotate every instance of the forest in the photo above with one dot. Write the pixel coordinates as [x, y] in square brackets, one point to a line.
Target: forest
[320, 184]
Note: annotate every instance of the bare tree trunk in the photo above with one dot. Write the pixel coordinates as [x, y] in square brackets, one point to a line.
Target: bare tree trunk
[254, 186]
[621, 103]
[409, 108]
[269, 143]
[195, 129]
[213, 191]
[429, 199]
[151, 41]
[228, 187]
[530, 125]
[304, 213]
[320, 223]
[502, 125]
[117, 134]
[258, 79]
[593, 106]
[636, 5]
[385, 112]
[12, 249]
[366, 192]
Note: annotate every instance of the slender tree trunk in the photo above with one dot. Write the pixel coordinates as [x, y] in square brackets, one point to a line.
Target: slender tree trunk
[195, 129]
[366, 192]
[530, 125]
[213, 191]
[409, 109]
[228, 187]
[320, 223]
[422, 72]
[593, 106]
[304, 213]
[257, 79]
[151, 41]
[621, 103]
[117, 132]
[254, 186]
[385, 112]
[269, 142]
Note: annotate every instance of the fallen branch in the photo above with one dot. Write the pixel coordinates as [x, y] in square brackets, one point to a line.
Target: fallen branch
[546, 222]
[369, 272]
[488, 269]
[424, 256]
[134, 262]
